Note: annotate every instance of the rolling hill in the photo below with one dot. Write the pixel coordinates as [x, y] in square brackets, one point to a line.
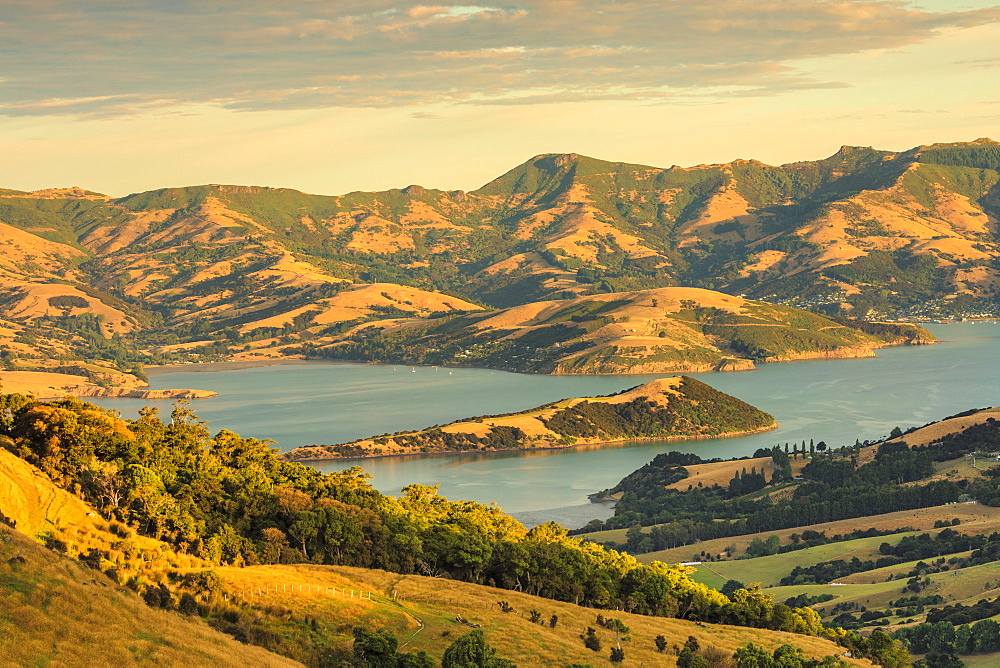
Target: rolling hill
[661, 330]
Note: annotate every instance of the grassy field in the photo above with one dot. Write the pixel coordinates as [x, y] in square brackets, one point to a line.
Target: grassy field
[926, 435]
[870, 595]
[981, 660]
[54, 611]
[422, 612]
[768, 571]
[874, 590]
[720, 473]
[975, 518]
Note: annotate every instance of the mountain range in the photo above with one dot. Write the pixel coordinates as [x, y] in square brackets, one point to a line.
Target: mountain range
[210, 269]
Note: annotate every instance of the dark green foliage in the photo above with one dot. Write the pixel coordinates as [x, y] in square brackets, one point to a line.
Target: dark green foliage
[944, 637]
[759, 547]
[377, 649]
[880, 647]
[963, 614]
[834, 489]
[981, 157]
[590, 639]
[698, 408]
[784, 656]
[471, 651]
[731, 586]
[803, 600]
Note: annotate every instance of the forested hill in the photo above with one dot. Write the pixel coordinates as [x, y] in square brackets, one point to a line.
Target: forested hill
[218, 269]
[833, 484]
[679, 407]
[226, 500]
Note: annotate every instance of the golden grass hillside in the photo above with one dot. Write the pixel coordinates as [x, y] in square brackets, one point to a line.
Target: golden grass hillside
[925, 435]
[48, 514]
[658, 330]
[423, 612]
[54, 611]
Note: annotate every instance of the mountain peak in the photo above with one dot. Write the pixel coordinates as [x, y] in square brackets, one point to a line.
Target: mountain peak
[555, 160]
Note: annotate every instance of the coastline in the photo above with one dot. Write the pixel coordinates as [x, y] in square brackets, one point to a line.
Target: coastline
[595, 445]
[232, 365]
[725, 367]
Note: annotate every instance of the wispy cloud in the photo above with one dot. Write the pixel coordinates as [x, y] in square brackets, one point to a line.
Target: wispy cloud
[105, 58]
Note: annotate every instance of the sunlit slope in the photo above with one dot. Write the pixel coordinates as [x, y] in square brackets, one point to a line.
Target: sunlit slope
[423, 611]
[48, 514]
[649, 331]
[54, 611]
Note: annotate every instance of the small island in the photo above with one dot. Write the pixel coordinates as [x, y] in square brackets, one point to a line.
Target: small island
[679, 407]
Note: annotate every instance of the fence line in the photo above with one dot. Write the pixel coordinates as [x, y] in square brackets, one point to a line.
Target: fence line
[256, 594]
[282, 588]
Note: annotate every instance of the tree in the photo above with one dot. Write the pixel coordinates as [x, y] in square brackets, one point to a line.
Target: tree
[471, 651]
[731, 586]
[590, 639]
[377, 649]
[617, 627]
[752, 656]
[661, 644]
[617, 655]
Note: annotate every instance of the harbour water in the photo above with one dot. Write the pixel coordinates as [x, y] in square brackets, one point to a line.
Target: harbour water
[836, 401]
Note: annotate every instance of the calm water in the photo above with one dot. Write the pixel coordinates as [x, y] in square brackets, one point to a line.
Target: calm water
[835, 401]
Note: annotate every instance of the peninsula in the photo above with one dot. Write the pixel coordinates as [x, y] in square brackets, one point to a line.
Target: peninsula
[677, 407]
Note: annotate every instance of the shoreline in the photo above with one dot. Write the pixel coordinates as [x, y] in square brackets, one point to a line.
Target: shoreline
[596, 445]
[232, 365]
[236, 365]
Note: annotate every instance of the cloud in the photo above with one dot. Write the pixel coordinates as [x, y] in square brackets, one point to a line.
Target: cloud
[104, 58]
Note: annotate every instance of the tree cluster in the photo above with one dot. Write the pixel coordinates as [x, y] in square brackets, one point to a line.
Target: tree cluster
[229, 500]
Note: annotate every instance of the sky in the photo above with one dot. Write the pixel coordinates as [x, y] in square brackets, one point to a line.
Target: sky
[332, 96]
